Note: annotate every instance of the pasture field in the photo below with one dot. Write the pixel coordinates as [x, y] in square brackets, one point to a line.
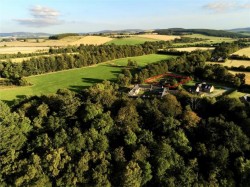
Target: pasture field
[210, 39]
[11, 50]
[95, 40]
[75, 79]
[236, 94]
[130, 41]
[235, 63]
[70, 40]
[158, 36]
[244, 51]
[190, 49]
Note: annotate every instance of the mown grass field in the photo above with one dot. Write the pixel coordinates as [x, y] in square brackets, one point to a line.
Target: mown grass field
[130, 41]
[75, 79]
[244, 51]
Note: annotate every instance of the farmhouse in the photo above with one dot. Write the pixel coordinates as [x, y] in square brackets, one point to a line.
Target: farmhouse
[203, 87]
[135, 91]
[148, 91]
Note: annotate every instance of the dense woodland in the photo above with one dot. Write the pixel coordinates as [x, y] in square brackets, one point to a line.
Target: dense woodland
[100, 137]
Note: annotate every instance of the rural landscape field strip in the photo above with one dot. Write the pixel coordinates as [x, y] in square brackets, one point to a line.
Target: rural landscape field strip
[70, 40]
[230, 63]
[244, 51]
[158, 36]
[130, 41]
[11, 50]
[75, 79]
[189, 49]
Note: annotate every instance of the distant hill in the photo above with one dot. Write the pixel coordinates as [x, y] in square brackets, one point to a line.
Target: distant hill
[117, 31]
[247, 29]
[243, 31]
[208, 32]
[24, 34]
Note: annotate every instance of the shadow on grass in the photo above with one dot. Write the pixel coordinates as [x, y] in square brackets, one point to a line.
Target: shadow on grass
[77, 89]
[9, 103]
[90, 81]
[18, 98]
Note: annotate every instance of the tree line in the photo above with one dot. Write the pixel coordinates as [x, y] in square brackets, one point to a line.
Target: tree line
[191, 64]
[208, 32]
[86, 56]
[61, 36]
[100, 137]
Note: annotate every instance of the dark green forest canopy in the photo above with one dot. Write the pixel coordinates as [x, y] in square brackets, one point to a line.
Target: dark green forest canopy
[208, 32]
[61, 36]
[100, 137]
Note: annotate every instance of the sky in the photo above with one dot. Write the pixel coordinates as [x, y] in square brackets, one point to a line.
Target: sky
[79, 16]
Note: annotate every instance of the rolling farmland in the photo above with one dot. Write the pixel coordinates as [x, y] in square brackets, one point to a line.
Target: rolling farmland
[11, 50]
[75, 79]
[70, 40]
[130, 41]
[230, 63]
[190, 49]
[244, 51]
[210, 39]
[158, 36]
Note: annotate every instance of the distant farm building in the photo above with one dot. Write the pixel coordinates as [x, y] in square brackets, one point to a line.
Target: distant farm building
[203, 87]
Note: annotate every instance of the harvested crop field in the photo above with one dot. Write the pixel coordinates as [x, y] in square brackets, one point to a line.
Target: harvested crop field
[190, 49]
[70, 40]
[95, 40]
[158, 36]
[11, 50]
[244, 51]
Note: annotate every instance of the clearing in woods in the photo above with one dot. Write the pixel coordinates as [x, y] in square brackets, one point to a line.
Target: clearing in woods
[76, 79]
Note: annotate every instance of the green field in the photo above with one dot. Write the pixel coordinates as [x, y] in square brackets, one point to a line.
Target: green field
[236, 94]
[209, 39]
[75, 79]
[130, 41]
